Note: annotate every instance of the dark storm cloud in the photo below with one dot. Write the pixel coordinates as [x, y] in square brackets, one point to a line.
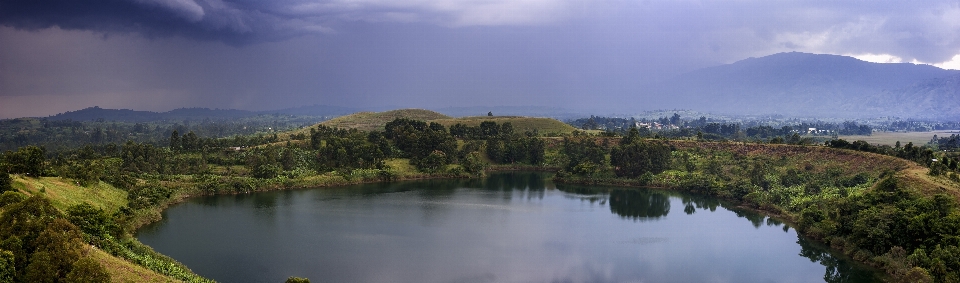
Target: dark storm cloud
[246, 21]
[228, 21]
[163, 54]
[928, 31]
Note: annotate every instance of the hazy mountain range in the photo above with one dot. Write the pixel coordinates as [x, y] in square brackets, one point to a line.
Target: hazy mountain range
[811, 85]
[789, 84]
[127, 115]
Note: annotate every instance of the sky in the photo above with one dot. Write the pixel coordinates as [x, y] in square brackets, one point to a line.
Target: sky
[158, 55]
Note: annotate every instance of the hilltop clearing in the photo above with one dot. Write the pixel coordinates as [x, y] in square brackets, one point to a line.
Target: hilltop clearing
[543, 126]
[369, 121]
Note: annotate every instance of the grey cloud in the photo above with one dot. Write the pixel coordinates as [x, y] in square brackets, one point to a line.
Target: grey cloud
[928, 31]
[422, 53]
[233, 22]
[245, 21]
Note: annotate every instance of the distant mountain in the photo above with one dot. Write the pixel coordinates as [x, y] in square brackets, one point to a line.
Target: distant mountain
[802, 84]
[933, 98]
[127, 115]
[315, 110]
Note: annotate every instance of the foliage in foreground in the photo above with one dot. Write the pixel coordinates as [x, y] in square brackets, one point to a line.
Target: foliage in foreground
[40, 245]
[855, 202]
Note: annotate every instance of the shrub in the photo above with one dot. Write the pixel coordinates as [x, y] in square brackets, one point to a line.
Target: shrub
[87, 270]
[474, 164]
[297, 280]
[6, 183]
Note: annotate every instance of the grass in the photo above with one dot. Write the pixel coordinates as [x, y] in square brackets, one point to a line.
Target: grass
[891, 138]
[545, 126]
[124, 271]
[64, 193]
[369, 121]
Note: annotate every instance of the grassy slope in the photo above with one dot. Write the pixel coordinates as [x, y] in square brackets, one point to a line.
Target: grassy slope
[368, 121]
[820, 160]
[891, 138]
[520, 124]
[851, 162]
[64, 193]
[124, 271]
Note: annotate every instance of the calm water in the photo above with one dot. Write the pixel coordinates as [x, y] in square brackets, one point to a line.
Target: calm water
[511, 227]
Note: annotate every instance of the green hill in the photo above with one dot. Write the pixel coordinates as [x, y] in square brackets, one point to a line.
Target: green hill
[368, 121]
[545, 126]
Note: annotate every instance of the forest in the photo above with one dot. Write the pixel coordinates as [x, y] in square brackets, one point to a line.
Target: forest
[852, 196]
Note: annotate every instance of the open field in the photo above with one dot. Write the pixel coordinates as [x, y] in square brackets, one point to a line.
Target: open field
[544, 126]
[65, 193]
[891, 138]
[370, 121]
[122, 271]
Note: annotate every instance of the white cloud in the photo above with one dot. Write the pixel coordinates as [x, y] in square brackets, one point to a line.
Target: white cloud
[877, 58]
[953, 64]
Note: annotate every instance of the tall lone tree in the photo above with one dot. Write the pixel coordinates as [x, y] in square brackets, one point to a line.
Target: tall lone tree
[635, 157]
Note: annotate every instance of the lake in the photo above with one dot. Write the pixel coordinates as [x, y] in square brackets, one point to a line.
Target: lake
[508, 227]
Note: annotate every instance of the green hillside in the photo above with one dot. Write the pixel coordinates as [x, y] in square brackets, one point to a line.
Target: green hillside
[545, 126]
[368, 121]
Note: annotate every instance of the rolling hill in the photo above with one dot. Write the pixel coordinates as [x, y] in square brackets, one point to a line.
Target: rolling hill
[521, 124]
[369, 121]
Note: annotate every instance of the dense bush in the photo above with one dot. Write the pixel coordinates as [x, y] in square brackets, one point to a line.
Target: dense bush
[6, 184]
[634, 157]
[45, 247]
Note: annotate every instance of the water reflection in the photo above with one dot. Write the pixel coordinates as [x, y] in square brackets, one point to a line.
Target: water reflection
[640, 205]
[494, 229]
[693, 202]
[648, 204]
[837, 270]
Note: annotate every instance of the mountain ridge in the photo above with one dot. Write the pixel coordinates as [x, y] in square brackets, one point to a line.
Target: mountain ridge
[803, 84]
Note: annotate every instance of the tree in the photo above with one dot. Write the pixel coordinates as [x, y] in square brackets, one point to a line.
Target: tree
[431, 163]
[675, 119]
[582, 151]
[7, 268]
[23, 224]
[297, 280]
[92, 221]
[41, 269]
[417, 139]
[190, 142]
[288, 159]
[63, 243]
[26, 160]
[175, 140]
[474, 164]
[489, 129]
[87, 270]
[638, 157]
[6, 184]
